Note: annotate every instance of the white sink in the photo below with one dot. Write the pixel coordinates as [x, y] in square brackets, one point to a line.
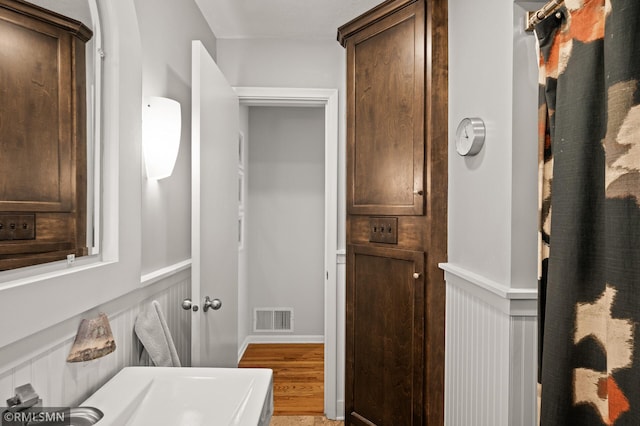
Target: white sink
[139, 396]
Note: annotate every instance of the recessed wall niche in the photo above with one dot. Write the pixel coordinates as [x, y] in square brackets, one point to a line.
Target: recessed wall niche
[43, 136]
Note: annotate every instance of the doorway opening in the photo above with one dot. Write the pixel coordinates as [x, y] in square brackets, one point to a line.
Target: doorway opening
[327, 99]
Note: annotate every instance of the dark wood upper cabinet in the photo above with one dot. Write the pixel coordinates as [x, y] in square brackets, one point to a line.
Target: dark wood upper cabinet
[396, 226]
[43, 164]
[385, 85]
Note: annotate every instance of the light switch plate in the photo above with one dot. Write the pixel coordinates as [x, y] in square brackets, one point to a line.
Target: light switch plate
[17, 226]
[383, 230]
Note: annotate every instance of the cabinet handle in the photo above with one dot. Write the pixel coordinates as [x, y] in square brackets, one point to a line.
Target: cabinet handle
[416, 275]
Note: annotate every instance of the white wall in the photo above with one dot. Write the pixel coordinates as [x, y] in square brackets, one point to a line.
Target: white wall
[480, 75]
[166, 33]
[492, 75]
[145, 225]
[285, 222]
[491, 272]
[282, 62]
[292, 63]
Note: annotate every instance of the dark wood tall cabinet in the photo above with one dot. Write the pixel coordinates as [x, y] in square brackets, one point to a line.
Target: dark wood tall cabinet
[396, 213]
[43, 166]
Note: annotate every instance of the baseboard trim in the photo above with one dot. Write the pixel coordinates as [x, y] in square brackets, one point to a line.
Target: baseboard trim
[277, 339]
[340, 410]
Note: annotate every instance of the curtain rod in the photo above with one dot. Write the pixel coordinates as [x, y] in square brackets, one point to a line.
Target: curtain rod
[533, 18]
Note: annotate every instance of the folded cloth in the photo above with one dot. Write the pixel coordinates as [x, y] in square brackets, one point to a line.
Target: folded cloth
[153, 332]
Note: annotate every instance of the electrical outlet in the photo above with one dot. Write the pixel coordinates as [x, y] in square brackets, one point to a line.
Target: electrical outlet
[71, 258]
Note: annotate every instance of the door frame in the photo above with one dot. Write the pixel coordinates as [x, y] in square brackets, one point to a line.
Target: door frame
[328, 99]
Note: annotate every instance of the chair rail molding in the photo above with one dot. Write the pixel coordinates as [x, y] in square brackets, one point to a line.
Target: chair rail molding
[509, 300]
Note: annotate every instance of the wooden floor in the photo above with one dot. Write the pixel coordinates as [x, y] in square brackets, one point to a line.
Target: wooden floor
[298, 375]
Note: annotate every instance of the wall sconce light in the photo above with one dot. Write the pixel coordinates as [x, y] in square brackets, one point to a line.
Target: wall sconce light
[161, 127]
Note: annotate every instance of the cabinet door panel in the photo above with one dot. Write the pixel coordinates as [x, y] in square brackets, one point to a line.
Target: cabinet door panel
[42, 135]
[385, 335]
[386, 106]
[35, 62]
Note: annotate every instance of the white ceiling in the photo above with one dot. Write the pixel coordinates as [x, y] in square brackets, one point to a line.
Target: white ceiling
[309, 19]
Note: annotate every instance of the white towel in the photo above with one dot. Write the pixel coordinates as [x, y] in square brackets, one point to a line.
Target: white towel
[153, 332]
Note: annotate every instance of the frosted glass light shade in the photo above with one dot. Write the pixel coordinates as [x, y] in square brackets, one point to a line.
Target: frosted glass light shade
[161, 127]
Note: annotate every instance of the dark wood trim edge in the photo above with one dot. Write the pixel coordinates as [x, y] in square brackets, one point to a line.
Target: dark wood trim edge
[436, 186]
[369, 18]
[33, 11]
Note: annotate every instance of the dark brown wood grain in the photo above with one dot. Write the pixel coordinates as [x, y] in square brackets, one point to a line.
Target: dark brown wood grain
[378, 162]
[436, 178]
[36, 13]
[385, 142]
[385, 320]
[371, 17]
[43, 131]
[410, 235]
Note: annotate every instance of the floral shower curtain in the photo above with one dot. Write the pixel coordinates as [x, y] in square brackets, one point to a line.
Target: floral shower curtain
[590, 214]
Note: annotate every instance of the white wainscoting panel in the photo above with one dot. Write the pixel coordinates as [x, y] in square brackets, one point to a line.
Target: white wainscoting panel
[524, 377]
[67, 384]
[476, 362]
[490, 354]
